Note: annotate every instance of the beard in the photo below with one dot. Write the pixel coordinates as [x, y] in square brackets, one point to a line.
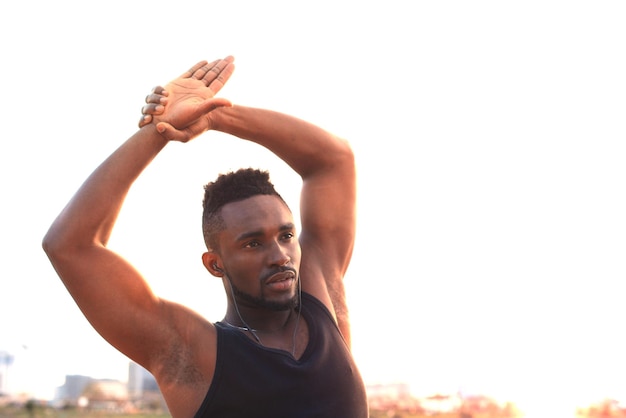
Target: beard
[261, 302]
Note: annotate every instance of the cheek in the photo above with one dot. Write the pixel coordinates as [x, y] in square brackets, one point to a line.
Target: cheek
[297, 256]
[296, 249]
[244, 268]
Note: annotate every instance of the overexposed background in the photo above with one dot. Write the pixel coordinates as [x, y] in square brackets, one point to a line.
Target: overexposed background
[490, 143]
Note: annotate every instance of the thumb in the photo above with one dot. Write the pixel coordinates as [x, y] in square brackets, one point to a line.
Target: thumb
[213, 103]
[170, 133]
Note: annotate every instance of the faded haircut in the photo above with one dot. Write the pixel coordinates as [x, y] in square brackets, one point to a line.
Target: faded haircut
[227, 188]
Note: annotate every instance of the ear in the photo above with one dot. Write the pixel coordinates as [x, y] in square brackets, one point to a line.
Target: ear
[213, 263]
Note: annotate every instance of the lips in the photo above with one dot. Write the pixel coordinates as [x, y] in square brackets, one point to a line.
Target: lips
[280, 276]
[281, 280]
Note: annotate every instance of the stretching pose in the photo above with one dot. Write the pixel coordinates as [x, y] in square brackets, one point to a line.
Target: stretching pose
[283, 346]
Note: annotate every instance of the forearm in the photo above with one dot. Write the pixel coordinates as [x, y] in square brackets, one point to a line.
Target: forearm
[91, 213]
[307, 148]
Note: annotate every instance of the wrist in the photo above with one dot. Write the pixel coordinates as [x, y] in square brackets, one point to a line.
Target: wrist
[152, 134]
[219, 118]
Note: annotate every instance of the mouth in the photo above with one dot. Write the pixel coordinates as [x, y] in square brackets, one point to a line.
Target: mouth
[281, 281]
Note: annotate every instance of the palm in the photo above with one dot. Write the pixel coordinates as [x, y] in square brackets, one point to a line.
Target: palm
[186, 96]
[190, 98]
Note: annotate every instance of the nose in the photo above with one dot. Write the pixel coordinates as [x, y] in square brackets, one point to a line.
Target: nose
[279, 255]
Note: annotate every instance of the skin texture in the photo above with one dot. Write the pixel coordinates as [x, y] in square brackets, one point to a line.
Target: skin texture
[258, 246]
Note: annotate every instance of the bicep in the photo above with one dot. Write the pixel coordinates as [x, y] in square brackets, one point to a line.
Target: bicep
[328, 216]
[115, 299]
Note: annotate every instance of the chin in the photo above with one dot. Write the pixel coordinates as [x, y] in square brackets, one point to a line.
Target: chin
[283, 304]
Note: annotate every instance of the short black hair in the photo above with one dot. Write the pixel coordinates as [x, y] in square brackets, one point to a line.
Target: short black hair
[227, 188]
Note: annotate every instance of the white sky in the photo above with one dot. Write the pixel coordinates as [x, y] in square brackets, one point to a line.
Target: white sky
[490, 139]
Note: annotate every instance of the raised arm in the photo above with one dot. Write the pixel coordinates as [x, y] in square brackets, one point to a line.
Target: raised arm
[328, 200]
[110, 292]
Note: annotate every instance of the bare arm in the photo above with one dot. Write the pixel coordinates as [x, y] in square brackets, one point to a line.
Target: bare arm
[328, 199]
[110, 292]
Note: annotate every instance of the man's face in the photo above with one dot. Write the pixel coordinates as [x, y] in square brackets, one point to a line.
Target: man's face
[260, 252]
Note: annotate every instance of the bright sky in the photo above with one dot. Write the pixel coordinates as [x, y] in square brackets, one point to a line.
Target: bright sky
[490, 139]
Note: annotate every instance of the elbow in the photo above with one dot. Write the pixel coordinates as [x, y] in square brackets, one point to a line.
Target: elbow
[58, 253]
[338, 161]
[343, 155]
[334, 157]
[56, 244]
[51, 244]
[64, 242]
[348, 161]
[59, 250]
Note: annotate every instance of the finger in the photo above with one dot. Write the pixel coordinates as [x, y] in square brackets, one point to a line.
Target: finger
[208, 106]
[212, 104]
[145, 120]
[157, 95]
[201, 71]
[217, 69]
[156, 99]
[170, 133]
[221, 79]
[159, 90]
[152, 109]
[189, 73]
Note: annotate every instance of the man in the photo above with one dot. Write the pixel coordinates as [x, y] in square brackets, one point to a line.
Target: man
[282, 349]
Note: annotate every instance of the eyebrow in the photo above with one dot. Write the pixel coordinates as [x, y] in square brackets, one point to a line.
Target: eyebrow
[259, 233]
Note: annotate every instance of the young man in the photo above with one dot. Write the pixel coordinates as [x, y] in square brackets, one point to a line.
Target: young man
[282, 349]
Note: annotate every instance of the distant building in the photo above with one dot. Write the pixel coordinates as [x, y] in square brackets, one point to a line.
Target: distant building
[143, 390]
[84, 391]
[105, 394]
[72, 390]
[139, 381]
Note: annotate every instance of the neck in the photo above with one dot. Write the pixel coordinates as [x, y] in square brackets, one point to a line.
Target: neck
[259, 321]
[272, 337]
[273, 323]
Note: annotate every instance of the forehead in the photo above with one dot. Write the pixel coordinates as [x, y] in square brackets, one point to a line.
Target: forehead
[257, 212]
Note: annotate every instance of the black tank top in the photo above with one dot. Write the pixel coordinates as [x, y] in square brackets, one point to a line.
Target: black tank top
[252, 381]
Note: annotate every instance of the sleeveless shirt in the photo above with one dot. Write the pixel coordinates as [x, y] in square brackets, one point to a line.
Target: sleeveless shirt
[253, 381]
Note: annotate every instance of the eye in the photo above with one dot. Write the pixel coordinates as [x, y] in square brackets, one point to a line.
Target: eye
[252, 244]
[288, 235]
